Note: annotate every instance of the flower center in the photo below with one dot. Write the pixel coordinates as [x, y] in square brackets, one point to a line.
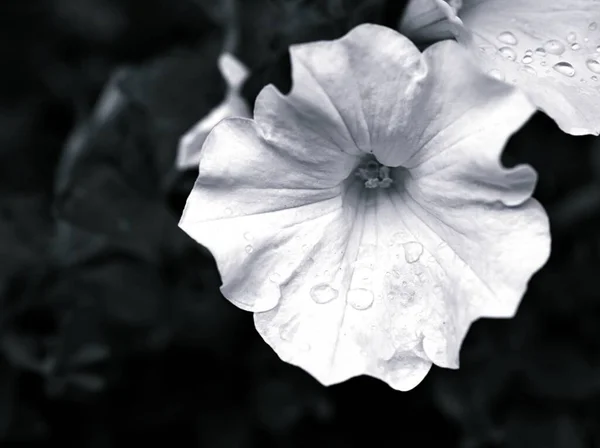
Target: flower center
[374, 174]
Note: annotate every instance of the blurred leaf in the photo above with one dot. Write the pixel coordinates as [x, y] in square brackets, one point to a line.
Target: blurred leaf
[8, 384]
[87, 382]
[89, 354]
[20, 351]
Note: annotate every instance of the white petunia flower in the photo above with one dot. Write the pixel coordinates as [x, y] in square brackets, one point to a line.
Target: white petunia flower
[365, 218]
[235, 74]
[550, 49]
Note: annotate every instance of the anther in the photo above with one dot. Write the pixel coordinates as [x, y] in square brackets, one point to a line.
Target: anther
[375, 175]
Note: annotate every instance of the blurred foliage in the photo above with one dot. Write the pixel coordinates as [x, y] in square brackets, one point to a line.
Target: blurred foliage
[112, 328]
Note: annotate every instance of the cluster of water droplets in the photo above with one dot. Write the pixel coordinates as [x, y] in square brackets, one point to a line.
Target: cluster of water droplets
[554, 48]
[361, 296]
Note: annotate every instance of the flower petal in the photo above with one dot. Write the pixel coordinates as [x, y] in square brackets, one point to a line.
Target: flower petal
[346, 280]
[427, 20]
[549, 49]
[235, 73]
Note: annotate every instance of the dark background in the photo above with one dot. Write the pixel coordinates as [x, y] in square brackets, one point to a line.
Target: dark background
[112, 329]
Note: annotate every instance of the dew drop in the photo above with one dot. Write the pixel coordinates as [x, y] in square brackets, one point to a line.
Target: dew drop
[529, 70]
[528, 53]
[360, 298]
[554, 47]
[248, 236]
[593, 26]
[575, 46]
[527, 59]
[593, 65]
[412, 251]
[249, 249]
[598, 49]
[228, 212]
[507, 38]
[323, 293]
[508, 53]
[275, 277]
[571, 37]
[540, 52]
[495, 73]
[543, 63]
[594, 78]
[564, 68]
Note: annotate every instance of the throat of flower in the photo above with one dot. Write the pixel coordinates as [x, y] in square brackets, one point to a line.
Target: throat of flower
[374, 174]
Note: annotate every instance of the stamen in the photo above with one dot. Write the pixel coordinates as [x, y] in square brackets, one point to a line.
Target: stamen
[374, 174]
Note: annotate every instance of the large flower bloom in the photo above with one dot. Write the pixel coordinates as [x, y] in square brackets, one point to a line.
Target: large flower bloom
[550, 49]
[365, 218]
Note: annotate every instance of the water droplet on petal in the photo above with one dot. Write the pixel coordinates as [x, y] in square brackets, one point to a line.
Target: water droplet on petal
[543, 63]
[575, 46]
[323, 293]
[495, 73]
[593, 65]
[249, 249]
[598, 49]
[528, 53]
[413, 251]
[529, 70]
[248, 236]
[508, 53]
[564, 68]
[554, 47]
[593, 26]
[594, 78]
[508, 38]
[360, 298]
[527, 59]
[228, 211]
[540, 52]
[571, 37]
[275, 277]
